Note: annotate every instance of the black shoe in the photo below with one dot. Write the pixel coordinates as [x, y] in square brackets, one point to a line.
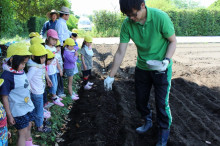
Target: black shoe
[44, 129]
[47, 123]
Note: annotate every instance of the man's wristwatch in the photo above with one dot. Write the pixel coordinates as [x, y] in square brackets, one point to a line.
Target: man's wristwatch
[167, 59]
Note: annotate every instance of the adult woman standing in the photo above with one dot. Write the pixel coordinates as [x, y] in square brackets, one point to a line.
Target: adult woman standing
[50, 24]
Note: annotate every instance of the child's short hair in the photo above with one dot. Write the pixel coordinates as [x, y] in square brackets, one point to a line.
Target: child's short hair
[16, 61]
[74, 34]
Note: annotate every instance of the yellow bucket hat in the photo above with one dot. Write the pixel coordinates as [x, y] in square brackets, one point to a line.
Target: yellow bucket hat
[1, 81]
[75, 30]
[34, 34]
[38, 50]
[37, 40]
[50, 54]
[19, 49]
[69, 42]
[88, 39]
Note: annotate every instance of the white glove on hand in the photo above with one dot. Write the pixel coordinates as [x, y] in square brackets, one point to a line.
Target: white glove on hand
[165, 63]
[108, 83]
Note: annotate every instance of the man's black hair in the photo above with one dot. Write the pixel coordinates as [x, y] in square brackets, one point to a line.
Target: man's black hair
[61, 14]
[126, 6]
[74, 34]
[16, 61]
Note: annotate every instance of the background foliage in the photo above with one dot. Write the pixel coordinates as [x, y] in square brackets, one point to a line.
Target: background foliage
[21, 17]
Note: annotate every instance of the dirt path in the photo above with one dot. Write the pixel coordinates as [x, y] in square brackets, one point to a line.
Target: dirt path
[102, 118]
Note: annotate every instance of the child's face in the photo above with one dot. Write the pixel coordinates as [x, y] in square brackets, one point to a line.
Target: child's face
[70, 47]
[49, 61]
[52, 41]
[88, 44]
[22, 65]
[58, 48]
[42, 59]
[74, 38]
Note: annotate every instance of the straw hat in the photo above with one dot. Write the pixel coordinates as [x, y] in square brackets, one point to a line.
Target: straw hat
[64, 10]
[52, 12]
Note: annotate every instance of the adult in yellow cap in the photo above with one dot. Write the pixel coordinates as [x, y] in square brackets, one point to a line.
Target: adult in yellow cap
[36, 76]
[16, 92]
[87, 63]
[50, 24]
[70, 57]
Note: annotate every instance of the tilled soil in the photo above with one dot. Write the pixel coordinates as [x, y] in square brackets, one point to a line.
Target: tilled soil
[103, 118]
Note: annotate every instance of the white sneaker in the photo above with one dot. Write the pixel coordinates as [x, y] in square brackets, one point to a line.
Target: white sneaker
[74, 97]
[75, 94]
[58, 102]
[87, 87]
[62, 95]
[90, 83]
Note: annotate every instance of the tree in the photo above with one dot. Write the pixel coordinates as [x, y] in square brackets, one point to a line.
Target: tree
[72, 21]
[161, 4]
[215, 5]
[28, 8]
[186, 4]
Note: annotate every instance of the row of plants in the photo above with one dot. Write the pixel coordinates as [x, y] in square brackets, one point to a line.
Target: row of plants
[199, 22]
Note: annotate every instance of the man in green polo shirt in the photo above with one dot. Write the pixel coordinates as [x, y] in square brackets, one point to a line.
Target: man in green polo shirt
[153, 33]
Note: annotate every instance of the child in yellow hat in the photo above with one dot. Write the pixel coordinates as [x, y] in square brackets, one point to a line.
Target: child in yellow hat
[70, 57]
[86, 57]
[36, 77]
[16, 92]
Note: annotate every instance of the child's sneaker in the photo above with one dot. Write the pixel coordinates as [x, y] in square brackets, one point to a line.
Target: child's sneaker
[57, 102]
[87, 87]
[90, 83]
[75, 94]
[48, 105]
[47, 114]
[44, 129]
[62, 95]
[74, 97]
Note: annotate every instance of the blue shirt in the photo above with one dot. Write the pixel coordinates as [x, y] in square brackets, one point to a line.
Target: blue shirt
[48, 25]
[62, 30]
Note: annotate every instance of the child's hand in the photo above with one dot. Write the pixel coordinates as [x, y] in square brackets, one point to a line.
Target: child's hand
[49, 83]
[76, 53]
[61, 73]
[9, 134]
[11, 120]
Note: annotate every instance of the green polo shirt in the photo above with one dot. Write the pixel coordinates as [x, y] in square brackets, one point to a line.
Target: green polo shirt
[150, 38]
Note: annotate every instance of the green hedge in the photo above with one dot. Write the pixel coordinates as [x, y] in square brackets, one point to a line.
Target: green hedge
[200, 22]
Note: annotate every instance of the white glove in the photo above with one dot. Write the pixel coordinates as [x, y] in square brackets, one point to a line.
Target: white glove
[108, 83]
[165, 63]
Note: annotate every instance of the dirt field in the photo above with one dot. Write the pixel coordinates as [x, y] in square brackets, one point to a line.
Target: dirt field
[102, 118]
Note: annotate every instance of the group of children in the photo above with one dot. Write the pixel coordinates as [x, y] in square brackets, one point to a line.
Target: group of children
[26, 74]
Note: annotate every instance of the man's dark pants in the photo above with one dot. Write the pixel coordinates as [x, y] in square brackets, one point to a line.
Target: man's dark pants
[144, 80]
